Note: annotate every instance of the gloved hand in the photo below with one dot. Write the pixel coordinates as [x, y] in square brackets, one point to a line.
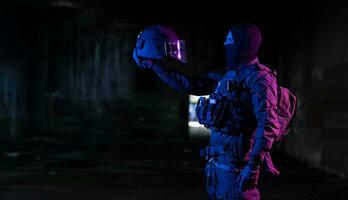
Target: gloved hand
[256, 158]
[244, 177]
[142, 62]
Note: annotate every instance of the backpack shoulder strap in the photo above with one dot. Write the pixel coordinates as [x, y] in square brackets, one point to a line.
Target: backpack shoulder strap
[263, 67]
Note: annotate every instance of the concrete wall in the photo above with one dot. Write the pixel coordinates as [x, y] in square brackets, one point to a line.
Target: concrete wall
[69, 72]
[313, 62]
[92, 85]
[12, 78]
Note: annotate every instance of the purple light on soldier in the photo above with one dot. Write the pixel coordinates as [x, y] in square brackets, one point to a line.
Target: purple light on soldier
[178, 46]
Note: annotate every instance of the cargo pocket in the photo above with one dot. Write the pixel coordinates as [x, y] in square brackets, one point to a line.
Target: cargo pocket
[227, 188]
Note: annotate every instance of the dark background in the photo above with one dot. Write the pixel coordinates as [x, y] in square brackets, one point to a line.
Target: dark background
[78, 119]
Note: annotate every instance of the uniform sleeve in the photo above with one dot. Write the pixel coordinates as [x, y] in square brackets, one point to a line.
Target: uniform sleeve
[186, 84]
[264, 102]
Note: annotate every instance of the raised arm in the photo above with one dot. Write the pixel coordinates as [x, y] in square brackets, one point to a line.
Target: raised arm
[181, 82]
[195, 85]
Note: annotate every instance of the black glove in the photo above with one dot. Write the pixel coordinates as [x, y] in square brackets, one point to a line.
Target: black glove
[244, 176]
[256, 158]
[143, 63]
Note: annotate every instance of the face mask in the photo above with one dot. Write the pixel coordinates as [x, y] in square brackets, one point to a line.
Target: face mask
[242, 44]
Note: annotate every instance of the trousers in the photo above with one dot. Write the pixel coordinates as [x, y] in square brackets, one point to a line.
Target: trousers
[222, 185]
[223, 168]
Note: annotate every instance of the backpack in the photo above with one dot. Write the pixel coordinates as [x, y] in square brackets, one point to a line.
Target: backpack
[286, 108]
[286, 111]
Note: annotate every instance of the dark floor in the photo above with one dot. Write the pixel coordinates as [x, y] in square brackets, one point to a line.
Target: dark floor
[133, 170]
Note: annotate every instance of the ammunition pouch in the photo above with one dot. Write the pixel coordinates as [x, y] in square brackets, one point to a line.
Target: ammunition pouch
[211, 111]
[222, 114]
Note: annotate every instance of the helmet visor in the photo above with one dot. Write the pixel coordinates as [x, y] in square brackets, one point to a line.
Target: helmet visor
[176, 49]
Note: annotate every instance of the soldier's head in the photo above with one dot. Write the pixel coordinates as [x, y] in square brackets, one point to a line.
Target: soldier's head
[242, 44]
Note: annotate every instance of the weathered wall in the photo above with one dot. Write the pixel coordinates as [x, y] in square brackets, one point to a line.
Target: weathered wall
[12, 79]
[313, 62]
[93, 86]
[71, 74]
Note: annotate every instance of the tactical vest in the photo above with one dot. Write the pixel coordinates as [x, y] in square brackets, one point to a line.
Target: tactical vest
[229, 108]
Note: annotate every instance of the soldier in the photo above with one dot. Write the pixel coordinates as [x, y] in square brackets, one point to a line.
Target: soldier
[240, 111]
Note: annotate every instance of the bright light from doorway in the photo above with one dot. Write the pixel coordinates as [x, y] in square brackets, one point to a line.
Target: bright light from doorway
[195, 128]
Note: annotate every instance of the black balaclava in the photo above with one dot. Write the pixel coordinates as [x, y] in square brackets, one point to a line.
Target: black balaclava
[242, 44]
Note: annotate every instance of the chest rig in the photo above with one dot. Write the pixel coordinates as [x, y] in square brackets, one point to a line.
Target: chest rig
[229, 108]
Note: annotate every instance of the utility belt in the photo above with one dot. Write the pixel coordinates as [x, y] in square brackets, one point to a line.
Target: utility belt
[234, 150]
[218, 113]
[211, 151]
[211, 154]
